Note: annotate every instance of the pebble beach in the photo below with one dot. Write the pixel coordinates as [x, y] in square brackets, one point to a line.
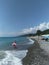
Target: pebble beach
[37, 55]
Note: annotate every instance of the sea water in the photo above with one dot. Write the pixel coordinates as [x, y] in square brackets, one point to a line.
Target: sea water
[46, 36]
[11, 56]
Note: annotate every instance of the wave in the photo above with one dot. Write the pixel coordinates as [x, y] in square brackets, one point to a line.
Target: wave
[10, 59]
[31, 41]
[14, 57]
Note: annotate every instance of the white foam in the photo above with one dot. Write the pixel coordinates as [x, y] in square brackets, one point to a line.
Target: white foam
[46, 35]
[20, 54]
[31, 41]
[10, 59]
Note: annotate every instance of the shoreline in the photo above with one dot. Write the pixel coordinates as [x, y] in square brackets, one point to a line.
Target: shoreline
[35, 55]
[17, 55]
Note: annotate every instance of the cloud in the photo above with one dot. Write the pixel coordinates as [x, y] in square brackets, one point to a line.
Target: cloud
[48, 25]
[8, 34]
[43, 26]
[29, 30]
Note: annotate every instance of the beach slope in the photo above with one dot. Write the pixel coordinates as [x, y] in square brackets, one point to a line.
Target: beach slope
[36, 55]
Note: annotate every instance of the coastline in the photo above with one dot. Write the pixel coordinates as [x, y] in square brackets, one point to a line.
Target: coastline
[15, 56]
[36, 55]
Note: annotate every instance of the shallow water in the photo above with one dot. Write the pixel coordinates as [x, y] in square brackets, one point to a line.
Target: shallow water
[6, 42]
[11, 56]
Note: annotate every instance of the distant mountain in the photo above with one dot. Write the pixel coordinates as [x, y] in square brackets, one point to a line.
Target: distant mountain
[42, 32]
[46, 31]
[26, 35]
[39, 32]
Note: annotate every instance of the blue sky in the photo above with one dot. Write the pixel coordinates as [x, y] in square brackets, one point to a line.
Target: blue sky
[17, 15]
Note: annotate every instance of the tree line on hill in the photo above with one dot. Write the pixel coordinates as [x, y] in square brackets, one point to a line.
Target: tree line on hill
[39, 32]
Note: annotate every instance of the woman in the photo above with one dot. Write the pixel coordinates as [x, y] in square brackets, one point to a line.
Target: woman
[14, 44]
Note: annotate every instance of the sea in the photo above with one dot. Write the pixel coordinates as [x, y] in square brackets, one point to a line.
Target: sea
[10, 55]
[46, 36]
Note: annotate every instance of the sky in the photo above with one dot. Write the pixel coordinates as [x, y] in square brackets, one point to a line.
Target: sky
[23, 16]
